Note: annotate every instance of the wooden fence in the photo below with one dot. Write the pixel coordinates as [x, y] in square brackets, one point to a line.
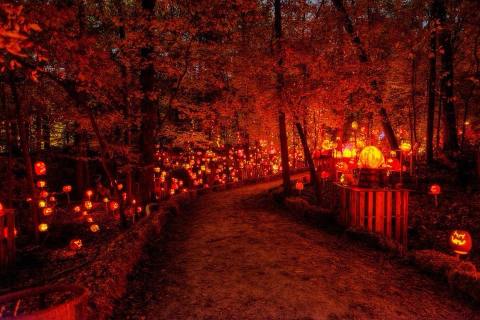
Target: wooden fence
[383, 211]
[7, 239]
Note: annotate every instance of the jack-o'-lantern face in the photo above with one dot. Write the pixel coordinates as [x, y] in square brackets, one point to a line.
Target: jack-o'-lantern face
[460, 241]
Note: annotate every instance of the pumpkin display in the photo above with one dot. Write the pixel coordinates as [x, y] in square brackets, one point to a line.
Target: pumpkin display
[371, 157]
[40, 168]
[460, 241]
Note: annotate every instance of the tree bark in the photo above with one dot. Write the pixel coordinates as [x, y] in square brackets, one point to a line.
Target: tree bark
[432, 75]
[25, 145]
[279, 88]
[446, 80]
[308, 157]
[149, 114]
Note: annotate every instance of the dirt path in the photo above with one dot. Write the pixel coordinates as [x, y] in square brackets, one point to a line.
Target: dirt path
[234, 256]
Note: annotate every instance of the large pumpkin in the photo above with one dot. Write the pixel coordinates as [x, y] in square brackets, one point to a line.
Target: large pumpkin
[460, 241]
[371, 157]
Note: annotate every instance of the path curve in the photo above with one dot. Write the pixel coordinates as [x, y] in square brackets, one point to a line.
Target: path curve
[236, 256]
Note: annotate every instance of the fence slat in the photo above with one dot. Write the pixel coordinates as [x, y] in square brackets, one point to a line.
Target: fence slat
[388, 220]
[379, 211]
[370, 211]
[361, 208]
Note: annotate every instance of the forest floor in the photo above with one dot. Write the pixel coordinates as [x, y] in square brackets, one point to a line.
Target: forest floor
[235, 255]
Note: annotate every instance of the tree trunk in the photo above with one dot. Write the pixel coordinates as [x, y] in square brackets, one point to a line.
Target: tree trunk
[308, 157]
[413, 110]
[387, 128]
[25, 145]
[446, 80]
[149, 114]
[280, 82]
[431, 94]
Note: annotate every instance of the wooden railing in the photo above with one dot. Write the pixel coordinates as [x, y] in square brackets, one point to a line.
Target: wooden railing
[380, 210]
[7, 239]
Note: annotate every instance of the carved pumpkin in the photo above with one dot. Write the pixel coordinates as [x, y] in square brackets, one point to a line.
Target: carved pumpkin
[405, 146]
[371, 157]
[67, 188]
[435, 189]
[94, 228]
[393, 164]
[42, 227]
[41, 184]
[324, 175]
[113, 205]
[40, 168]
[460, 241]
[88, 205]
[354, 125]
[76, 244]
[342, 166]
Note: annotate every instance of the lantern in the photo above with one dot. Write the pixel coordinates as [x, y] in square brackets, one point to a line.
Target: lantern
[41, 184]
[460, 242]
[113, 205]
[42, 227]
[76, 244]
[40, 168]
[88, 205]
[371, 157]
[67, 188]
[94, 228]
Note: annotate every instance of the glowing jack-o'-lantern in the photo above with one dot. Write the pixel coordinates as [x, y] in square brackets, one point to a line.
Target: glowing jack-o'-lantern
[354, 125]
[42, 227]
[405, 146]
[5, 232]
[88, 205]
[48, 211]
[460, 241]
[324, 175]
[94, 228]
[393, 164]
[67, 188]
[42, 203]
[342, 166]
[40, 168]
[113, 205]
[435, 189]
[75, 244]
[41, 184]
[299, 185]
[371, 157]
[89, 193]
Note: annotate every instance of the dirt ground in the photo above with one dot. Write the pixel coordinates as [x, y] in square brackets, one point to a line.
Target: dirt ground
[233, 255]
